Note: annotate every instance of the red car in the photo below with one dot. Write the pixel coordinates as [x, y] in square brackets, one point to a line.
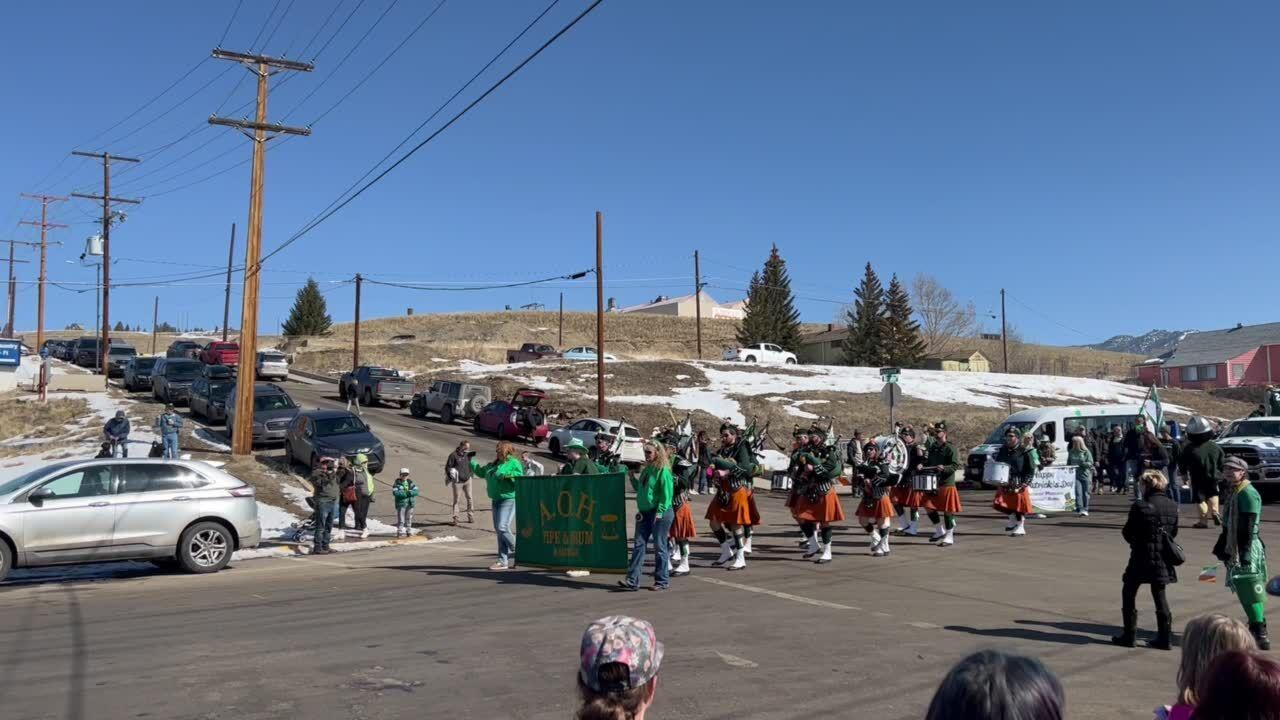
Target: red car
[219, 352]
[519, 417]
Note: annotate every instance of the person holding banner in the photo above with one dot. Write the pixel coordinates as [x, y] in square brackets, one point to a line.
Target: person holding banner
[943, 461]
[500, 482]
[730, 510]
[1240, 546]
[816, 504]
[1014, 499]
[654, 488]
[875, 512]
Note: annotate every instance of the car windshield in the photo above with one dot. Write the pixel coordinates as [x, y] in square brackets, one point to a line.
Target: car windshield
[270, 357]
[118, 350]
[1255, 428]
[997, 437]
[347, 425]
[272, 402]
[144, 363]
[219, 391]
[182, 371]
[22, 480]
[87, 345]
[383, 373]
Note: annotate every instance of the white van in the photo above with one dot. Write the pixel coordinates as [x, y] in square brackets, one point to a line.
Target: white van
[1055, 424]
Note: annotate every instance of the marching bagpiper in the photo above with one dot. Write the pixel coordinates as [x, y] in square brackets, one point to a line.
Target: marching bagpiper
[904, 495]
[943, 460]
[682, 528]
[1014, 499]
[730, 510]
[795, 472]
[875, 512]
[816, 504]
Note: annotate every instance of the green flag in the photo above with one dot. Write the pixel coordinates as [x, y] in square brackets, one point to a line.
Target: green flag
[575, 522]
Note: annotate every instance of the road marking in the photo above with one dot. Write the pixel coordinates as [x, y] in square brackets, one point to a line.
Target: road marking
[735, 661]
[777, 594]
[924, 625]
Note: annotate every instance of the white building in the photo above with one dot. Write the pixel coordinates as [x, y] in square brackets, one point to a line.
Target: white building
[686, 306]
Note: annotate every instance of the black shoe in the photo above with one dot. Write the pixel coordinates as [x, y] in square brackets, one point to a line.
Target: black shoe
[1164, 634]
[1124, 640]
[1259, 631]
[658, 588]
[1127, 638]
[624, 586]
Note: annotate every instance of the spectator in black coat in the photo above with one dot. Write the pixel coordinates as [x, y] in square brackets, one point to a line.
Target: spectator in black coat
[1149, 530]
[1116, 466]
[1154, 457]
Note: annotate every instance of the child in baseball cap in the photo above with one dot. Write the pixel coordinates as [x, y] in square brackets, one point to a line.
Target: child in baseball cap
[619, 673]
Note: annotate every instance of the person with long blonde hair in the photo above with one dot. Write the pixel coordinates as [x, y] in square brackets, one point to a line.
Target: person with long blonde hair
[1204, 639]
[500, 482]
[654, 488]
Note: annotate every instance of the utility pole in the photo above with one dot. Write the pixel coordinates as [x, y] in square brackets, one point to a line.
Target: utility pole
[697, 298]
[104, 346]
[262, 67]
[560, 335]
[13, 283]
[44, 226]
[355, 345]
[155, 320]
[600, 404]
[226, 304]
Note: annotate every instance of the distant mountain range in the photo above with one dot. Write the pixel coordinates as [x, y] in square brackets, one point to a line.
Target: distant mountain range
[1151, 344]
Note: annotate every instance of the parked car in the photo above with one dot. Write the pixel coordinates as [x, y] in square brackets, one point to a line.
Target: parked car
[531, 351]
[66, 350]
[273, 409]
[218, 372]
[518, 418]
[272, 365]
[209, 398]
[83, 511]
[371, 384]
[221, 352]
[137, 373]
[450, 400]
[585, 353]
[1256, 440]
[586, 429]
[171, 379]
[86, 352]
[183, 349]
[117, 356]
[52, 346]
[333, 433]
[761, 353]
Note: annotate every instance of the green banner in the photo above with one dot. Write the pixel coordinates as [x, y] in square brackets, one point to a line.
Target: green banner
[576, 522]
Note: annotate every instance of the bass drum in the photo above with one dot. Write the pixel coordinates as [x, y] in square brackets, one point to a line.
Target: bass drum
[893, 452]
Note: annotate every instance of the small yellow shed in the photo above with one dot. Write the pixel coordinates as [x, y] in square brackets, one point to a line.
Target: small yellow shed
[959, 361]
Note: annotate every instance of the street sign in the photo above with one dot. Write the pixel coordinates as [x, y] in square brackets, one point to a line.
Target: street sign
[10, 353]
[891, 393]
[890, 374]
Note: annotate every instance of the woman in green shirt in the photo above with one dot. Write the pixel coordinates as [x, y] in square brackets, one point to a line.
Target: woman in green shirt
[654, 490]
[1240, 546]
[500, 480]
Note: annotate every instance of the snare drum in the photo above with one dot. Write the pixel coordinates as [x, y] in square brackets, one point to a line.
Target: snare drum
[780, 481]
[924, 483]
[995, 473]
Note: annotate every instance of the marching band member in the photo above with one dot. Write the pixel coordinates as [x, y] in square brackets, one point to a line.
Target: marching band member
[796, 471]
[682, 527]
[904, 495]
[943, 459]
[730, 510]
[816, 504]
[875, 512]
[1014, 499]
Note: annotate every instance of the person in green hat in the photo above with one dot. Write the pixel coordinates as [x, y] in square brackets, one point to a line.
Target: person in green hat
[1240, 546]
[579, 463]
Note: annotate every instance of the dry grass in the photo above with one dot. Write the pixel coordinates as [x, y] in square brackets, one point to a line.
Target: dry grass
[1210, 403]
[26, 419]
[1026, 358]
[266, 475]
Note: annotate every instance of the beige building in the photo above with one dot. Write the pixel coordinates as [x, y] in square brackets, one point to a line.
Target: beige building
[686, 306]
[959, 361]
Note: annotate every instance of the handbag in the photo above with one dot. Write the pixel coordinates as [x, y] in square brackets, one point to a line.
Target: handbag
[1170, 550]
[349, 495]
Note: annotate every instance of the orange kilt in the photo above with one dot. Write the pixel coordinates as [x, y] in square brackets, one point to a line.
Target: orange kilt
[826, 510]
[874, 511]
[751, 507]
[945, 501]
[1008, 501]
[682, 526]
[903, 496]
[736, 512]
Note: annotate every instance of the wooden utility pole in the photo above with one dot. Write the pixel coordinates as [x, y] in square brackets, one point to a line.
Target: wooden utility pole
[13, 283]
[262, 67]
[226, 303]
[560, 335]
[355, 345]
[44, 226]
[600, 403]
[697, 298]
[155, 322]
[107, 200]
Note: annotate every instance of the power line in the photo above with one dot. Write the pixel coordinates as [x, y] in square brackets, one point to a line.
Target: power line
[265, 23]
[442, 288]
[320, 29]
[287, 8]
[1046, 317]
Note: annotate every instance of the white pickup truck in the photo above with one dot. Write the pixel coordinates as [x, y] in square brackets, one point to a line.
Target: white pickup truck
[761, 353]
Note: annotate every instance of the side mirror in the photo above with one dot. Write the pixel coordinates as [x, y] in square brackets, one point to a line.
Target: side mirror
[39, 495]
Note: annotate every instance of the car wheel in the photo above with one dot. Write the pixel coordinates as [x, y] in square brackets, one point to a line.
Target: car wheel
[502, 431]
[342, 391]
[6, 560]
[749, 358]
[205, 548]
[446, 414]
[791, 361]
[368, 398]
[415, 409]
[554, 446]
[403, 404]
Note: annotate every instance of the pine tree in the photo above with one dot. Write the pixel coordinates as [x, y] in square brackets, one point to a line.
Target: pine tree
[119, 327]
[903, 343]
[309, 315]
[866, 344]
[771, 315]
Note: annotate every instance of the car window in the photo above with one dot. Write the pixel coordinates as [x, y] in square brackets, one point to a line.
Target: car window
[262, 403]
[198, 387]
[89, 482]
[27, 477]
[492, 407]
[182, 371]
[141, 363]
[383, 373]
[345, 425]
[158, 478]
[631, 432]
[122, 350]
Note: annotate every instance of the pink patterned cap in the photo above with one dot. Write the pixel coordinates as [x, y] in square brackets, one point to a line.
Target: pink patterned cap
[620, 639]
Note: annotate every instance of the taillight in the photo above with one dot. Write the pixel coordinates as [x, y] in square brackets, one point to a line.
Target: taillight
[377, 387]
[243, 491]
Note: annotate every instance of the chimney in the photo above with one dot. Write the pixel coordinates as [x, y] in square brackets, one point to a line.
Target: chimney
[409, 312]
[831, 326]
[612, 306]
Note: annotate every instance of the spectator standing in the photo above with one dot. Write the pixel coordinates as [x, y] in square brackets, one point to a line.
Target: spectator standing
[500, 483]
[1154, 457]
[1240, 547]
[116, 431]
[704, 463]
[324, 495]
[1149, 530]
[992, 685]
[1134, 450]
[1202, 461]
[1117, 467]
[364, 485]
[1204, 639]
[346, 495]
[618, 675]
[1080, 457]
[169, 426]
[654, 489]
[457, 475]
[1240, 685]
[1273, 401]
[405, 492]
[531, 467]
[1172, 452]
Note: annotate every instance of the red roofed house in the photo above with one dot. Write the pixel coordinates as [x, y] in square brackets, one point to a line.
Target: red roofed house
[1242, 355]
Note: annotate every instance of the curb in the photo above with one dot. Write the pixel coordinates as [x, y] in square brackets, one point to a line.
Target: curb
[314, 376]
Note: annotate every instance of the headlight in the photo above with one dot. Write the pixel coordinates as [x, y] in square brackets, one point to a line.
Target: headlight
[259, 426]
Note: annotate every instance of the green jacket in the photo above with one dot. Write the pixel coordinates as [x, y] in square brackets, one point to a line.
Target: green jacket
[500, 480]
[583, 466]
[324, 485]
[944, 456]
[1083, 462]
[654, 489]
[405, 492]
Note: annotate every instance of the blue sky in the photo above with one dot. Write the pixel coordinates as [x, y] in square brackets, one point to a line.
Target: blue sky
[1113, 165]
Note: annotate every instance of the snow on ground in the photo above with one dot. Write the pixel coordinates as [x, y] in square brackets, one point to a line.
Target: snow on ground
[774, 460]
[212, 439]
[299, 497]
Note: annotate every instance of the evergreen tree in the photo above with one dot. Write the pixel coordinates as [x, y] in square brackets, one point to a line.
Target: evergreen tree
[309, 315]
[165, 327]
[119, 327]
[771, 315]
[866, 344]
[903, 344]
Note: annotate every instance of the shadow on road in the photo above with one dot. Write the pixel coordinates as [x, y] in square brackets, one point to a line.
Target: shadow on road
[519, 576]
[1019, 633]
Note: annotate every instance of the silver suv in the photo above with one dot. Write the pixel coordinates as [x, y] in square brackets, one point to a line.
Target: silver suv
[83, 511]
[450, 400]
